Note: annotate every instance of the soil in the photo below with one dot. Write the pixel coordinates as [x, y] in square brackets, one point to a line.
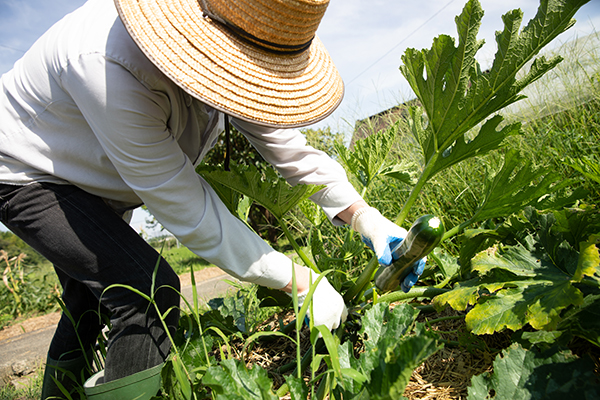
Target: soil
[447, 374]
[20, 327]
[199, 276]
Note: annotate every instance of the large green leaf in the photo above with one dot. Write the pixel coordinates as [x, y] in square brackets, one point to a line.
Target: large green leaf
[390, 355]
[298, 388]
[535, 278]
[380, 322]
[577, 225]
[268, 189]
[347, 362]
[535, 293]
[521, 374]
[536, 302]
[402, 172]
[396, 365]
[584, 321]
[457, 96]
[231, 198]
[367, 160]
[232, 380]
[440, 78]
[487, 139]
[517, 185]
[231, 306]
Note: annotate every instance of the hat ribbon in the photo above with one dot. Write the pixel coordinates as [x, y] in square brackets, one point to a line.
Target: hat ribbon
[266, 45]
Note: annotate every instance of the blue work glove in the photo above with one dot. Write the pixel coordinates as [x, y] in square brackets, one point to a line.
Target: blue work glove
[413, 277]
[383, 236]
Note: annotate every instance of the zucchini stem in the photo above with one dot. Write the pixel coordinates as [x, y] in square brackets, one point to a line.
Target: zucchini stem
[297, 248]
[362, 281]
[414, 293]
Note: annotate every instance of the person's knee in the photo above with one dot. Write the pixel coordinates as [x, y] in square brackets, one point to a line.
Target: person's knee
[168, 289]
[167, 278]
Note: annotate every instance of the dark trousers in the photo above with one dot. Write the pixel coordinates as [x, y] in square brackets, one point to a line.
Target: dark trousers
[92, 248]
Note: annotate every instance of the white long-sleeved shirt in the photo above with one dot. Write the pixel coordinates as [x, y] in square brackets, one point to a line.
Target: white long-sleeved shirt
[84, 106]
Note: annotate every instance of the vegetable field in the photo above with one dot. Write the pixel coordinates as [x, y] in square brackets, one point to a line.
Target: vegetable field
[511, 292]
[509, 303]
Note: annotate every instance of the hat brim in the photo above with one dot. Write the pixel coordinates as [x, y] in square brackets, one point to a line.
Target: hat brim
[221, 69]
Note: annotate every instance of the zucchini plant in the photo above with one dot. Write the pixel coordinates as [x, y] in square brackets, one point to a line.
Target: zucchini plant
[520, 259]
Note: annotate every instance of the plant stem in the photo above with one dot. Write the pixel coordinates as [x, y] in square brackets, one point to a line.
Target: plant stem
[297, 248]
[196, 314]
[298, 322]
[363, 192]
[457, 229]
[414, 293]
[416, 190]
[364, 278]
[590, 282]
[426, 309]
[306, 360]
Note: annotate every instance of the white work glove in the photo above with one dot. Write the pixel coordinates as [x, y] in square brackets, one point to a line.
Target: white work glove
[328, 305]
[382, 236]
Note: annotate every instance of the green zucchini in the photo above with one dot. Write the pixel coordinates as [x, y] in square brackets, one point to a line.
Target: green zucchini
[423, 236]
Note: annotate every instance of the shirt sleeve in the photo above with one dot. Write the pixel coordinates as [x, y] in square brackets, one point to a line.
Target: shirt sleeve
[130, 121]
[298, 163]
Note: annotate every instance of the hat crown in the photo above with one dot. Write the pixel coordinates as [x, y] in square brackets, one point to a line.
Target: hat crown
[256, 60]
[275, 24]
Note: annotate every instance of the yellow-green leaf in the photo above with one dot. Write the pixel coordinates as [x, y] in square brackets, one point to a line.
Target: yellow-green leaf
[505, 310]
[588, 262]
[551, 299]
[463, 295]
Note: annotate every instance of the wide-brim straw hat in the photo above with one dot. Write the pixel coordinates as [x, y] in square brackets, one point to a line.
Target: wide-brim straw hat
[258, 60]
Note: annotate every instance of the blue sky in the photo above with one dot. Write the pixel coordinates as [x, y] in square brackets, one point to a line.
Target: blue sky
[365, 39]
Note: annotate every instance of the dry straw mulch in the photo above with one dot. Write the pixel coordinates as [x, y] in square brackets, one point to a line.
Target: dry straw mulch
[445, 375]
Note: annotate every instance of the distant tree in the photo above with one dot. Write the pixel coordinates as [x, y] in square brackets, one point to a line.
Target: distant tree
[323, 139]
[242, 151]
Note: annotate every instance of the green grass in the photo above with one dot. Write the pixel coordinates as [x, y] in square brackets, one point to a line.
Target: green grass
[561, 116]
[29, 390]
[37, 294]
[181, 258]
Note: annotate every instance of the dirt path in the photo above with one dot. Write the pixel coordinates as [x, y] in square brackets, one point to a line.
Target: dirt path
[23, 345]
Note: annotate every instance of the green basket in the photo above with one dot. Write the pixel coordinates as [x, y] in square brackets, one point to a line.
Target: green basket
[140, 386]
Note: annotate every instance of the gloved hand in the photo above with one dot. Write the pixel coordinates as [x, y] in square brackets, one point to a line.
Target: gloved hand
[382, 236]
[328, 305]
